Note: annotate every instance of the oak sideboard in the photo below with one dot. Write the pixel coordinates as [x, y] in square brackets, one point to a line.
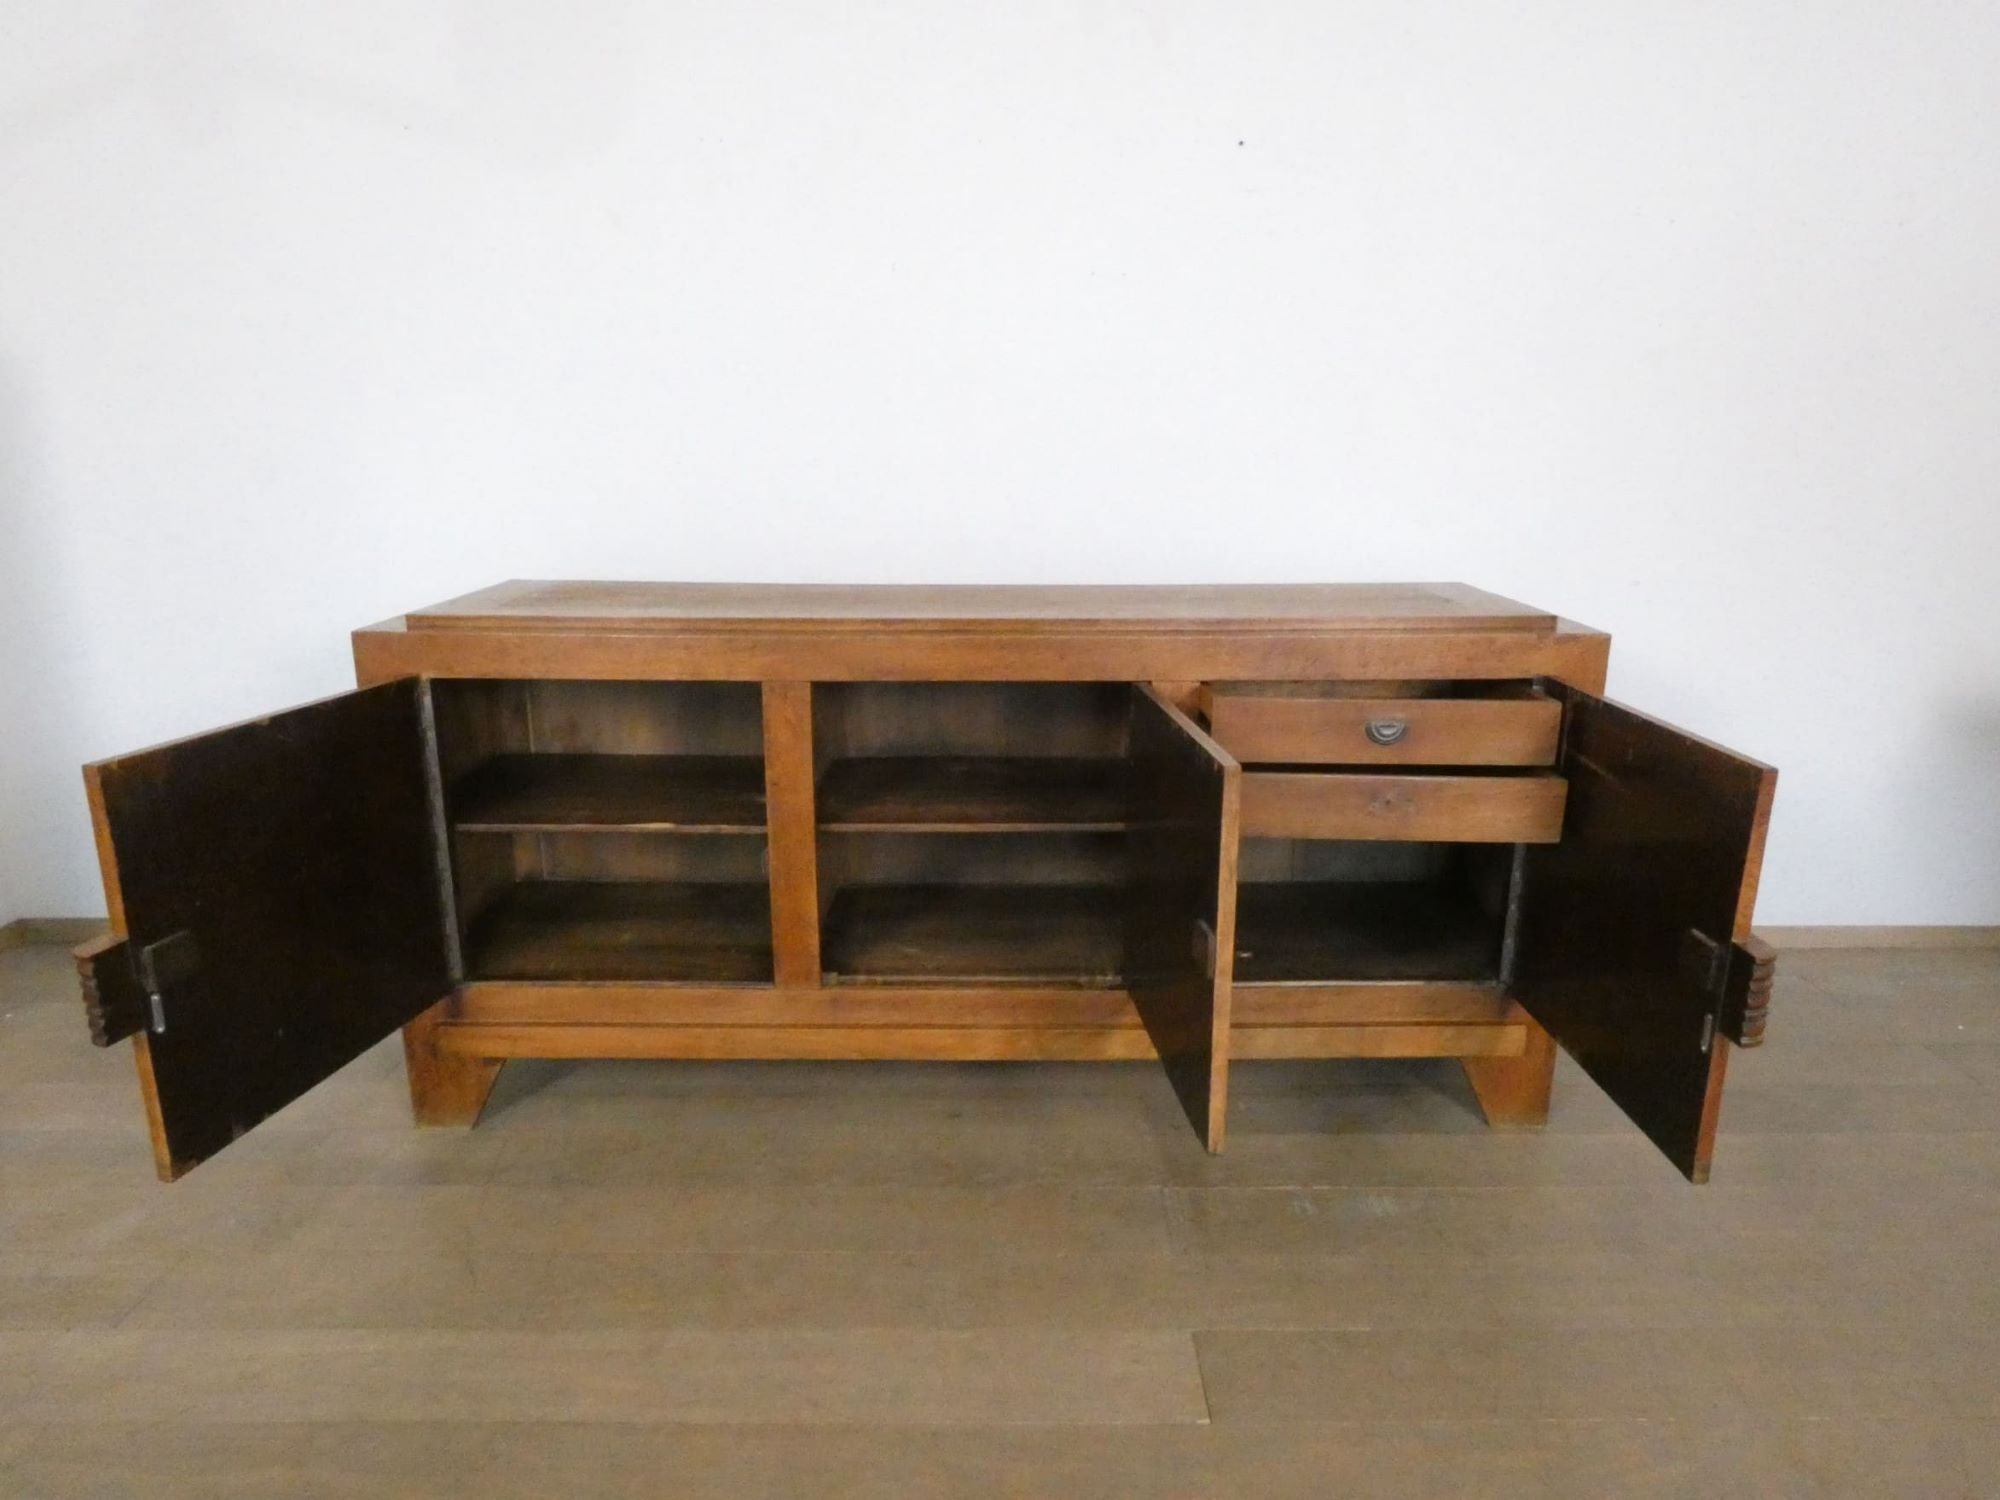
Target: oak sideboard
[1199, 825]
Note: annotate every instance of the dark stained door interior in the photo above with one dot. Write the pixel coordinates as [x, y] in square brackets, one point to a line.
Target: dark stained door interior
[1628, 925]
[278, 886]
[1180, 922]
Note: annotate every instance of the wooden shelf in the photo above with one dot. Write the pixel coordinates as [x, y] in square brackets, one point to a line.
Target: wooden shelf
[974, 794]
[612, 793]
[580, 929]
[1327, 931]
[988, 934]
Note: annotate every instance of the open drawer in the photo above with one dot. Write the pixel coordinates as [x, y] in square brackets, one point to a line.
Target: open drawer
[1384, 723]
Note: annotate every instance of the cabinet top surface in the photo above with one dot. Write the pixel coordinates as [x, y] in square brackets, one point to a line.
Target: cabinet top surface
[554, 605]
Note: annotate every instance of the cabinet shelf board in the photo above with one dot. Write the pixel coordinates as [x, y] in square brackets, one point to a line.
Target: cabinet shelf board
[612, 793]
[974, 794]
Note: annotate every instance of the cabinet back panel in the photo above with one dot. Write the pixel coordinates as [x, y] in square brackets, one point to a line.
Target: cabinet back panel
[476, 720]
[1338, 859]
[480, 718]
[1330, 910]
[970, 718]
[729, 858]
[969, 859]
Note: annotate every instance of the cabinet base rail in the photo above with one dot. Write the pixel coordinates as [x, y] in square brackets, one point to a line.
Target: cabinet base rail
[965, 1023]
[945, 1043]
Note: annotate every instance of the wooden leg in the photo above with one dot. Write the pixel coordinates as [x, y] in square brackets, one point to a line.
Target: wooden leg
[1515, 1090]
[444, 1090]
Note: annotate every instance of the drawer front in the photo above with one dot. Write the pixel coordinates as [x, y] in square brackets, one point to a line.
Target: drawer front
[1442, 809]
[1276, 725]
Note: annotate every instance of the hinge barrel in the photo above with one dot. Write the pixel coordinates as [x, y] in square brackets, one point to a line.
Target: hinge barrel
[114, 1002]
[1746, 994]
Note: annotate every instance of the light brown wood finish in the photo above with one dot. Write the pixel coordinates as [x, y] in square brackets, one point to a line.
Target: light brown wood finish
[578, 894]
[1573, 653]
[946, 1043]
[1515, 1090]
[1274, 1043]
[447, 1088]
[1381, 1003]
[1525, 809]
[789, 775]
[565, 605]
[932, 1043]
[1280, 723]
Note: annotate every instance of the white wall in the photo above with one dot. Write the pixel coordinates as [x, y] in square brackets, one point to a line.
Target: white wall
[1680, 319]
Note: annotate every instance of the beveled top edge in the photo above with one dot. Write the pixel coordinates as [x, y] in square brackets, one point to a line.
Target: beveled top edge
[532, 604]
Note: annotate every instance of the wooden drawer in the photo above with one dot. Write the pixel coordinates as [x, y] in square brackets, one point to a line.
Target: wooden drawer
[1305, 723]
[1443, 809]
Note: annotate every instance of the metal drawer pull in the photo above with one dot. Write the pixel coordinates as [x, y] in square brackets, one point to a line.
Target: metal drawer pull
[1387, 731]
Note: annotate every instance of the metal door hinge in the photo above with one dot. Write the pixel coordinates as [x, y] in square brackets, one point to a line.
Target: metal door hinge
[1736, 979]
[1705, 963]
[172, 960]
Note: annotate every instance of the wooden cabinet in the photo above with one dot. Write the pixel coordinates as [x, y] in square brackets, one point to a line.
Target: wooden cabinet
[1203, 826]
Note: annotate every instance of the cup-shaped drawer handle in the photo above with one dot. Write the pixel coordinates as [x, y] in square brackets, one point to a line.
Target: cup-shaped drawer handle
[1387, 731]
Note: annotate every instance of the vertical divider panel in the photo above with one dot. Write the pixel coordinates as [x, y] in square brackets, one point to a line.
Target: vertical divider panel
[792, 831]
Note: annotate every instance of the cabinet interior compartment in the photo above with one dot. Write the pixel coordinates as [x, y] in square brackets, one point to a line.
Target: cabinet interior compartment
[971, 757]
[963, 908]
[607, 830]
[1326, 911]
[972, 832]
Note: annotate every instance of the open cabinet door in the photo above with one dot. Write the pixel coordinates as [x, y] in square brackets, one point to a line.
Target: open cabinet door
[277, 906]
[1634, 949]
[1180, 925]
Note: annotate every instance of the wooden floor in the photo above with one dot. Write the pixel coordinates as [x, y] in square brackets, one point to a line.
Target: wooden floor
[914, 1280]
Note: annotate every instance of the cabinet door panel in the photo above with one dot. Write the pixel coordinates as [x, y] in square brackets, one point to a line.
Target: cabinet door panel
[1180, 926]
[279, 891]
[1627, 924]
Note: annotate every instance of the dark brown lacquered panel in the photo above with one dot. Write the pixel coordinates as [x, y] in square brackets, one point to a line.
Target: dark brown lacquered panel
[1181, 902]
[1058, 934]
[633, 793]
[633, 930]
[1309, 930]
[560, 605]
[1626, 924]
[298, 856]
[973, 794]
